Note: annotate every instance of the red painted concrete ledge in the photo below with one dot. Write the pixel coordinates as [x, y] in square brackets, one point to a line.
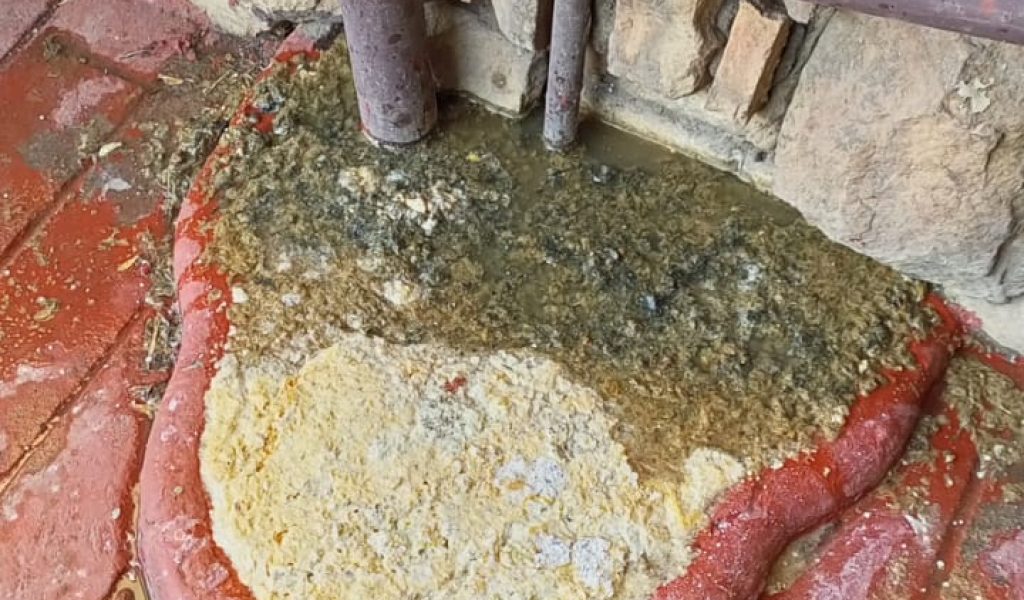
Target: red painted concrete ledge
[757, 519]
[180, 558]
[750, 526]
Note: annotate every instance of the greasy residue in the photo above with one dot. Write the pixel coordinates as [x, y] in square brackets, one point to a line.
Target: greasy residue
[704, 312]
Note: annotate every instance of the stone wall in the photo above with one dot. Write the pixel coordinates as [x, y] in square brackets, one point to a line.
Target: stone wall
[907, 144]
[902, 142]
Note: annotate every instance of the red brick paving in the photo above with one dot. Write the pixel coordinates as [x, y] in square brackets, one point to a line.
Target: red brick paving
[19, 17]
[81, 233]
[48, 105]
[65, 518]
[138, 35]
[68, 295]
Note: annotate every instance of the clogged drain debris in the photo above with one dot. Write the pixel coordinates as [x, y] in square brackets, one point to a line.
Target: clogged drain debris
[473, 369]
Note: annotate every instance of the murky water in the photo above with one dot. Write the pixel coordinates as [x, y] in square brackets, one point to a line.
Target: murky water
[129, 587]
[705, 312]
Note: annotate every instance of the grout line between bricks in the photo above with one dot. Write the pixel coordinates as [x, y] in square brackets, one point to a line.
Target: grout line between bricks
[8, 477]
[80, 49]
[124, 579]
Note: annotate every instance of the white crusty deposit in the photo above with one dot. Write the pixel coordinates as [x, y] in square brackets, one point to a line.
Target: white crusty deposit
[385, 471]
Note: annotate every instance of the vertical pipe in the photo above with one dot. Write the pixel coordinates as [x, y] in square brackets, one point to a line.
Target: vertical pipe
[569, 33]
[387, 42]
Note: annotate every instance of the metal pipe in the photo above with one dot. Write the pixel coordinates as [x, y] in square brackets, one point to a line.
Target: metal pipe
[387, 41]
[570, 31]
[1001, 20]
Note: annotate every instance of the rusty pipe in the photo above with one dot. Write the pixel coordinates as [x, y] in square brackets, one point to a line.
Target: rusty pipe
[570, 30]
[1001, 20]
[387, 41]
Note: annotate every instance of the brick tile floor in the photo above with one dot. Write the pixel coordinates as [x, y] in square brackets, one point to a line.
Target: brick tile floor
[51, 101]
[93, 93]
[18, 21]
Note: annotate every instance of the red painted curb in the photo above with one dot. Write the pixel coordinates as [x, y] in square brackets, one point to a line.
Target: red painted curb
[997, 568]
[857, 562]
[756, 520]
[176, 546]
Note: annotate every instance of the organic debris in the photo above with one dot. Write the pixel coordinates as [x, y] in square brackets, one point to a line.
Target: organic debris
[705, 312]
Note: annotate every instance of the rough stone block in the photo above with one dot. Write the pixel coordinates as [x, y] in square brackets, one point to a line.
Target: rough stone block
[472, 58]
[745, 74]
[602, 25]
[665, 45]
[800, 10]
[906, 143]
[524, 22]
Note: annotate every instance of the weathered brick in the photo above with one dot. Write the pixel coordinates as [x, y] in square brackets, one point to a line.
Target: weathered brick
[745, 75]
[139, 36]
[65, 519]
[67, 294]
[53, 105]
[18, 17]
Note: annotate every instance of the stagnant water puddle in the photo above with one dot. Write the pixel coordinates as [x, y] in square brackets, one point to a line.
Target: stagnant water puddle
[471, 368]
